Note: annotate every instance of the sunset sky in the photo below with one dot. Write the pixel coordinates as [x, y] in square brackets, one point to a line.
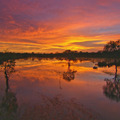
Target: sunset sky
[56, 25]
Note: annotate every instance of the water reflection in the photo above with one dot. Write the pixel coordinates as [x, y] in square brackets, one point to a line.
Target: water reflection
[38, 95]
[57, 108]
[112, 90]
[8, 69]
[111, 63]
[70, 74]
[112, 87]
[8, 105]
[49, 108]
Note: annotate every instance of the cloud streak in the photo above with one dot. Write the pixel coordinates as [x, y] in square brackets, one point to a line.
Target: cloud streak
[61, 23]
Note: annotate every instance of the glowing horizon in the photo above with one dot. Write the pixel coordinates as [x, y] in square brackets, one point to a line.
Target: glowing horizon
[54, 26]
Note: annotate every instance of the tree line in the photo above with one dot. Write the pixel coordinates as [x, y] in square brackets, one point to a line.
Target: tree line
[110, 50]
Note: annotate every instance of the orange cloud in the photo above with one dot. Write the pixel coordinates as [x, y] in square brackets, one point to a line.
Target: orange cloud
[39, 26]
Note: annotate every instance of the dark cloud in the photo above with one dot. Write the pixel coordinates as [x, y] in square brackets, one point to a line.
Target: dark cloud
[54, 49]
[58, 46]
[95, 43]
[26, 41]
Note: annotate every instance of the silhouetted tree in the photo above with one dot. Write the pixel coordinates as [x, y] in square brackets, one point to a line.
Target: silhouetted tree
[8, 69]
[8, 106]
[67, 51]
[112, 46]
[115, 63]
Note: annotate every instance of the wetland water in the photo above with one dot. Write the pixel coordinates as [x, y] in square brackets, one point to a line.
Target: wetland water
[51, 89]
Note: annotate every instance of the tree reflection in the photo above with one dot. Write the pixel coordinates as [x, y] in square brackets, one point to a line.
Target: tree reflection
[8, 106]
[112, 87]
[70, 74]
[112, 90]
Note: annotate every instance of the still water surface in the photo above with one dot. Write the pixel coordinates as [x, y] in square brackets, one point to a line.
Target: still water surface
[40, 89]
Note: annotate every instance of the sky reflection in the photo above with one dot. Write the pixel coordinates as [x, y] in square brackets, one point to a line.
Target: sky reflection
[35, 82]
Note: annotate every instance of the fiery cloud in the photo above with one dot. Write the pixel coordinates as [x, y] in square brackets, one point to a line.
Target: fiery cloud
[54, 26]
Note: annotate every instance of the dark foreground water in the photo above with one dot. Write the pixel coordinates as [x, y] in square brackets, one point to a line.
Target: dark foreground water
[38, 89]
